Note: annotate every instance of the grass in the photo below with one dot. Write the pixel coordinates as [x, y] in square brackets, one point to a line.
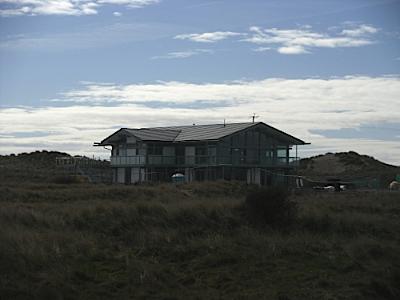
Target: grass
[40, 167]
[82, 241]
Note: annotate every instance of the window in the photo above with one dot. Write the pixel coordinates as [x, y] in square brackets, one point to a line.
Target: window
[281, 152]
[201, 150]
[154, 149]
[269, 153]
[212, 150]
[131, 151]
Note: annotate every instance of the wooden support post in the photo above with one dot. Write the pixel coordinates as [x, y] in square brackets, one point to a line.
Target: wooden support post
[287, 155]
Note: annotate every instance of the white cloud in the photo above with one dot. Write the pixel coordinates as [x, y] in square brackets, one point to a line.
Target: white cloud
[184, 54]
[117, 14]
[360, 30]
[208, 37]
[292, 41]
[88, 37]
[295, 106]
[295, 49]
[262, 49]
[302, 40]
[130, 3]
[65, 7]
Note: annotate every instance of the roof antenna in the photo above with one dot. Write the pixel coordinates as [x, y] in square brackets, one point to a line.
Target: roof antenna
[224, 123]
[254, 116]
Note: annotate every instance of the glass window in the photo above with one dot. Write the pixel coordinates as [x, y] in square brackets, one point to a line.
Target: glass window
[154, 149]
[201, 150]
[281, 152]
[212, 150]
[131, 151]
[269, 153]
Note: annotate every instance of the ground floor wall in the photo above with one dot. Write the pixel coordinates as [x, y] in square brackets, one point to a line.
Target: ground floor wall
[258, 176]
[129, 175]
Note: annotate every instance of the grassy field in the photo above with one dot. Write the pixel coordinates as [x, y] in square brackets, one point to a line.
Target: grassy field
[197, 241]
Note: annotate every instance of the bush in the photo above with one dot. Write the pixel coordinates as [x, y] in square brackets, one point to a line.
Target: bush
[270, 206]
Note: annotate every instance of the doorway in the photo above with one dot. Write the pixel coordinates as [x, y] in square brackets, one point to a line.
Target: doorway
[128, 175]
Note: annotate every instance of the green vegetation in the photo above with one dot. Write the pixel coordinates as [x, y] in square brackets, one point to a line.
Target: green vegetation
[197, 241]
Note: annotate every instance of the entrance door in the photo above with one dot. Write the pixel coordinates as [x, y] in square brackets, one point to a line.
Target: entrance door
[128, 175]
[235, 154]
[238, 156]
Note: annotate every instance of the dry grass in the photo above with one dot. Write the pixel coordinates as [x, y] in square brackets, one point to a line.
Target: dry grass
[81, 241]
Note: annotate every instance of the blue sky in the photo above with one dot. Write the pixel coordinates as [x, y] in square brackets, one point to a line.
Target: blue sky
[71, 72]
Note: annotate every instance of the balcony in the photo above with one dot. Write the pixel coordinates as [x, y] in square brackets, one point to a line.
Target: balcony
[137, 160]
[202, 160]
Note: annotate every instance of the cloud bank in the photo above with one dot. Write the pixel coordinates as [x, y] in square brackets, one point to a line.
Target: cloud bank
[301, 107]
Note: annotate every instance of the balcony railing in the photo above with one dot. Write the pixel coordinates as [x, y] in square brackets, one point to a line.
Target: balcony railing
[128, 160]
[202, 160]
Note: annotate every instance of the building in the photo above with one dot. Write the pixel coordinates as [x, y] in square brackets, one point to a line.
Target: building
[252, 152]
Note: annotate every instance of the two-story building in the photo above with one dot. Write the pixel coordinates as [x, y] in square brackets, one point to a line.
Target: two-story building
[252, 152]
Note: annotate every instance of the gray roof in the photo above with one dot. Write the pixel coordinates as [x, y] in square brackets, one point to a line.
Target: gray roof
[205, 132]
[196, 133]
[154, 134]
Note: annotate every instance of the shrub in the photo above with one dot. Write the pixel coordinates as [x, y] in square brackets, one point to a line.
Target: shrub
[270, 206]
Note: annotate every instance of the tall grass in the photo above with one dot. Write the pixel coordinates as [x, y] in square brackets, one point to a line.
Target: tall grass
[80, 241]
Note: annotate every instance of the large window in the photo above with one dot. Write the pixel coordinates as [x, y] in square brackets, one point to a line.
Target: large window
[154, 149]
[212, 150]
[201, 150]
[131, 151]
[281, 152]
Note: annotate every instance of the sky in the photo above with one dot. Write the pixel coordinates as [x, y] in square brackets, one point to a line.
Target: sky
[73, 72]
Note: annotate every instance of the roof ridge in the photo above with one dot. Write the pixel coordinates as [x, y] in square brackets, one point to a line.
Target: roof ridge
[193, 125]
[154, 128]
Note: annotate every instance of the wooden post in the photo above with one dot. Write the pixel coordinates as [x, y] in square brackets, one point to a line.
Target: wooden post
[287, 155]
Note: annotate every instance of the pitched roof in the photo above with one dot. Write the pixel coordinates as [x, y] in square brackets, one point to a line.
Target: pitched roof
[205, 132]
[154, 134]
[195, 133]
